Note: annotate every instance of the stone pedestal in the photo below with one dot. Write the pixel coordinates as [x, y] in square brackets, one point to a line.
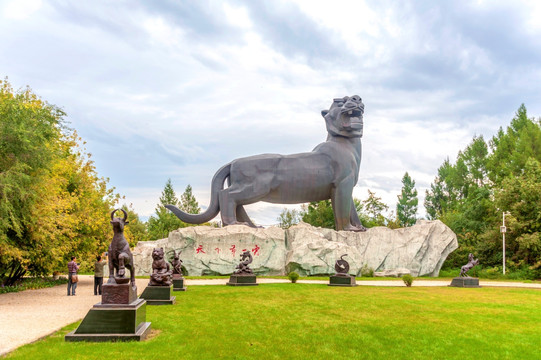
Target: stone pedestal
[118, 294]
[342, 280]
[466, 282]
[113, 322]
[242, 280]
[178, 283]
[158, 295]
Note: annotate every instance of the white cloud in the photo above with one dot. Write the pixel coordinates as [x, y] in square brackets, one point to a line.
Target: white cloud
[179, 95]
[163, 33]
[20, 9]
[237, 16]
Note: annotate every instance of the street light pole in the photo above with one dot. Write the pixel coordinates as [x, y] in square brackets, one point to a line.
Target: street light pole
[503, 230]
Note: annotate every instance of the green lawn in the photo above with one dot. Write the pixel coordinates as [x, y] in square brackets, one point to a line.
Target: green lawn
[306, 321]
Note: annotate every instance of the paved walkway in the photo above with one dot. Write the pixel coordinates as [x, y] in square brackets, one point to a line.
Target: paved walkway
[33, 314]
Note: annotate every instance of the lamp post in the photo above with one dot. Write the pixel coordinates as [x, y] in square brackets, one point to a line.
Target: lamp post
[503, 229]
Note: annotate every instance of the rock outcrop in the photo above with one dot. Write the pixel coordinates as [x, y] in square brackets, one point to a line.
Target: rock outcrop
[308, 250]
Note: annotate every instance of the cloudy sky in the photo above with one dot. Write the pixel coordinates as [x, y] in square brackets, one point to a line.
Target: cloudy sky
[175, 89]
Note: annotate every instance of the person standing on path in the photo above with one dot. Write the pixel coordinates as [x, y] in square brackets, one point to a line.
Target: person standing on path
[98, 275]
[72, 270]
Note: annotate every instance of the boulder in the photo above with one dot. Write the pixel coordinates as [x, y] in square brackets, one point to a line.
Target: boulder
[392, 273]
[207, 250]
[419, 250]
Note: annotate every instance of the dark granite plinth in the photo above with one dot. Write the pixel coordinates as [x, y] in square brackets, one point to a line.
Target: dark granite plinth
[466, 282]
[242, 280]
[342, 280]
[118, 294]
[113, 322]
[140, 335]
[158, 295]
[178, 284]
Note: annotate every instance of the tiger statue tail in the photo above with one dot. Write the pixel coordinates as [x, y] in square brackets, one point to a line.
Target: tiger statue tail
[214, 207]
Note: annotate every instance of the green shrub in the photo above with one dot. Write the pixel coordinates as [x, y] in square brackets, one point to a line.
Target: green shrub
[33, 283]
[367, 271]
[293, 276]
[408, 280]
[449, 273]
[513, 272]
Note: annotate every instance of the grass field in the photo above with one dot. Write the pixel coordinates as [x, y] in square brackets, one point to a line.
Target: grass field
[301, 321]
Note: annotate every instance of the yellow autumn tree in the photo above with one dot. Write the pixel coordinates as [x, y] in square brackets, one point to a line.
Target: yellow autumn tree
[72, 211]
[53, 204]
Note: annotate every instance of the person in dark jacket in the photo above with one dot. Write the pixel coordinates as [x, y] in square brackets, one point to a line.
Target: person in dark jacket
[72, 270]
[98, 275]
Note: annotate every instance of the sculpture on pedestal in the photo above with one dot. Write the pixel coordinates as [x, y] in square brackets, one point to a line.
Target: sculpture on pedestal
[161, 272]
[178, 279]
[342, 276]
[120, 316]
[330, 171]
[341, 266]
[244, 276]
[177, 264]
[160, 286]
[245, 260]
[464, 280]
[120, 256]
[471, 263]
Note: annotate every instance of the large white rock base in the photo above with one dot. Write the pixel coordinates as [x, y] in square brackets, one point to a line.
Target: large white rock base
[305, 249]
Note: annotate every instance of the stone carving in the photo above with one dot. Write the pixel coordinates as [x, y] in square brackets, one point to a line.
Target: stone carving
[161, 273]
[420, 249]
[177, 263]
[471, 263]
[341, 266]
[120, 256]
[245, 260]
[330, 171]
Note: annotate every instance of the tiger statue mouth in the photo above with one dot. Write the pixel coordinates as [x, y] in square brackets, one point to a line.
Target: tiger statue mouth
[345, 117]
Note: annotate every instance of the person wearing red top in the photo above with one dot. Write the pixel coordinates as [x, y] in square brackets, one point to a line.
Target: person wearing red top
[72, 270]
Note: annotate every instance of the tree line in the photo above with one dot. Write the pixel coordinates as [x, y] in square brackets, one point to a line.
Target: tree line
[487, 179]
[52, 201]
[53, 204]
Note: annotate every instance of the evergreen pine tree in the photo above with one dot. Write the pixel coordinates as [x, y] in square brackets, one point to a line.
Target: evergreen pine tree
[165, 221]
[188, 203]
[406, 208]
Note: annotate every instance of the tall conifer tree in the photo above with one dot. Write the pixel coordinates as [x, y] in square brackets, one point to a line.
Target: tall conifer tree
[406, 208]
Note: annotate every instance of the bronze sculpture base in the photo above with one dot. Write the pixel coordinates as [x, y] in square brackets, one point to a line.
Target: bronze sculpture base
[158, 295]
[118, 294]
[178, 284]
[467, 282]
[242, 280]
[342, 280]
[113, 322]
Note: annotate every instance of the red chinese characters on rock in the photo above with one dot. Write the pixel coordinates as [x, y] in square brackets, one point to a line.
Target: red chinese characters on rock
[200, 250]
[233, 249]
[255, 250]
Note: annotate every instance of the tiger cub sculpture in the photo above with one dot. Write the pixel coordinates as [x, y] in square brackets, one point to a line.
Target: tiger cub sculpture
[161, 273]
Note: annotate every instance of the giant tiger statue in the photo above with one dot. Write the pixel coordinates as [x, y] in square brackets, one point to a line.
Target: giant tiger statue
[330, 171]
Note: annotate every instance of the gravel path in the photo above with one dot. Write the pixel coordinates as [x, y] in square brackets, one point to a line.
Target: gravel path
[33, 314]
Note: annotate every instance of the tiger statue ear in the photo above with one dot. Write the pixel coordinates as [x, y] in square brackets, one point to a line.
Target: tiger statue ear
[324, 112]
